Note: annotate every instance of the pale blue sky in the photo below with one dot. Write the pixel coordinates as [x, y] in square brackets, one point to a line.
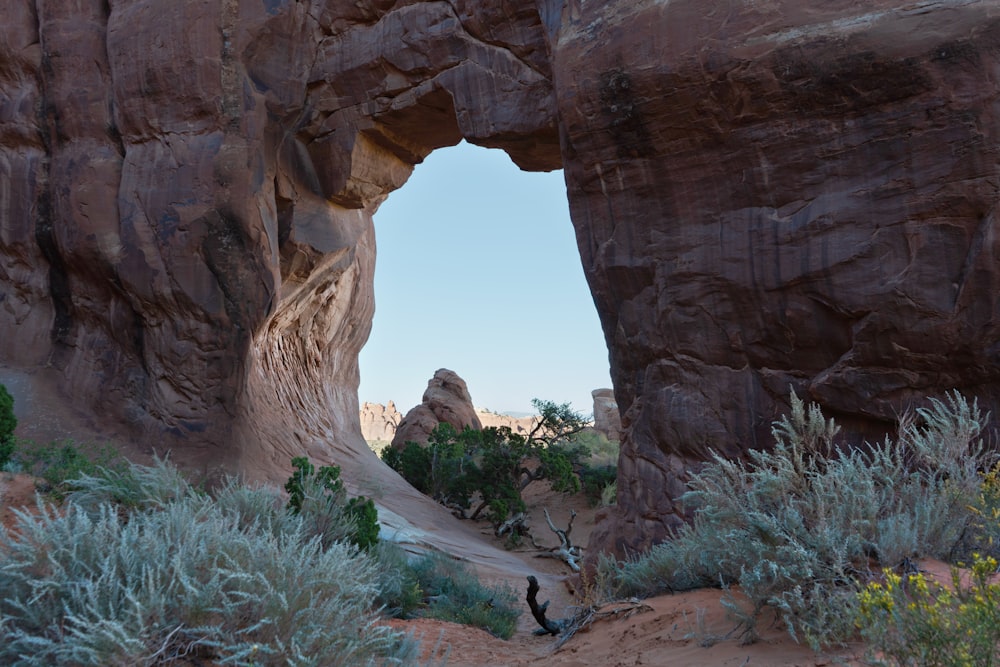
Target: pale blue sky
[478, 272]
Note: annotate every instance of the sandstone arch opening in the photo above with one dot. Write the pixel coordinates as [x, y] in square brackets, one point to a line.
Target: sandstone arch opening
[478, 271]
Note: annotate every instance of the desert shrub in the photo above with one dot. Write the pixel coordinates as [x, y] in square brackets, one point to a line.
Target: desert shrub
[442, 469]
[8, 422]
[982, 534]
[453, 593]
[194, 579]
[400, 593]
[597, 451]
[128, 487]
[59, 462]
[595, 481]
[320, 497]
[609, 496]
[908, 620]
[797, 526]
[494, 464]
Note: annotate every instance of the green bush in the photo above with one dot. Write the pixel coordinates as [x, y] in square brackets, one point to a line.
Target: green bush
[453, 593]
[8, 422]
[320, 496]
[60, 462]
[796, 527]
[400, 592]
[442, 469]
[595, 481]
[596, 450]
[236, 580]
[912, 621]
[494, 463]
[128, 487]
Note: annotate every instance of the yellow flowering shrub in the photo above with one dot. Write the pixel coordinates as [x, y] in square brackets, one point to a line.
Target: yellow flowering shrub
[910, 620]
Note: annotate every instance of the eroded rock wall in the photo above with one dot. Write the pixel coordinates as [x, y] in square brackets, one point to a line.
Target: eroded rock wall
[775, 195]
[766, 195]
[188, 193]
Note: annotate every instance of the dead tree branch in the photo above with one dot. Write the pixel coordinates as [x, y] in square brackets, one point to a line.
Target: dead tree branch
[538, 611]
[587, 616]
[566, 551]
[515, 525]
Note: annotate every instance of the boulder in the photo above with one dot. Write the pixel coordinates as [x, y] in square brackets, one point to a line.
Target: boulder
[446, 400]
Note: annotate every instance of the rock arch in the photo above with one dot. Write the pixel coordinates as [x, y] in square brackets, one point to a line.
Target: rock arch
[765, 194]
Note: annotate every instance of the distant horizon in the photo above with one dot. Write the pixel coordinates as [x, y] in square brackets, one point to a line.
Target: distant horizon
[478, 271]
[401, 410]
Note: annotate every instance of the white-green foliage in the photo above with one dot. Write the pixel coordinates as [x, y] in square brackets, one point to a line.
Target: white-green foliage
[235, 579]
[457, 595]
[134, 487]
[796, 527]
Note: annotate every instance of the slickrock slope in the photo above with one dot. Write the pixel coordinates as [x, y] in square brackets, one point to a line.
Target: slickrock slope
[766, 195]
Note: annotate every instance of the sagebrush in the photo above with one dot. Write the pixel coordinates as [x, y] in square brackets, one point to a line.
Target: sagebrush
[234, 578]
[797, 527]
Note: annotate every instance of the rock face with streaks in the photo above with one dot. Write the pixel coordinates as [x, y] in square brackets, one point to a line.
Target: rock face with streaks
[767, 195]
[777, 195]
[186, 216]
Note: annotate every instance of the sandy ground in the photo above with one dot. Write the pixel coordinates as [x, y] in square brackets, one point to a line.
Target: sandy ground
[677, 630]
[684, 629]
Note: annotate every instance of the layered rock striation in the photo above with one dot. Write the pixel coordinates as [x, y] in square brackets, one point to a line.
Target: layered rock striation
[186, 220]
[766, 195]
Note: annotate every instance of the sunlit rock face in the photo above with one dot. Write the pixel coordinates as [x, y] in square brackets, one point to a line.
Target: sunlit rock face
[767, 195]
[445, 401]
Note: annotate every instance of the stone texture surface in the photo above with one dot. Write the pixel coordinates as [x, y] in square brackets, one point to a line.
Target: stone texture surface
[446, 400]
[766, 194]
[607, 419]
[187, 196]
[780, 194]
[379, 422]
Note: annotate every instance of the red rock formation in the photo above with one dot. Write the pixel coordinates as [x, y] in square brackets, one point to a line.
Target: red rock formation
[766, 195]
[379, 422]
[780, 194]
[186, 217]
[519, 425]
[607, 419]
[446, 400]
